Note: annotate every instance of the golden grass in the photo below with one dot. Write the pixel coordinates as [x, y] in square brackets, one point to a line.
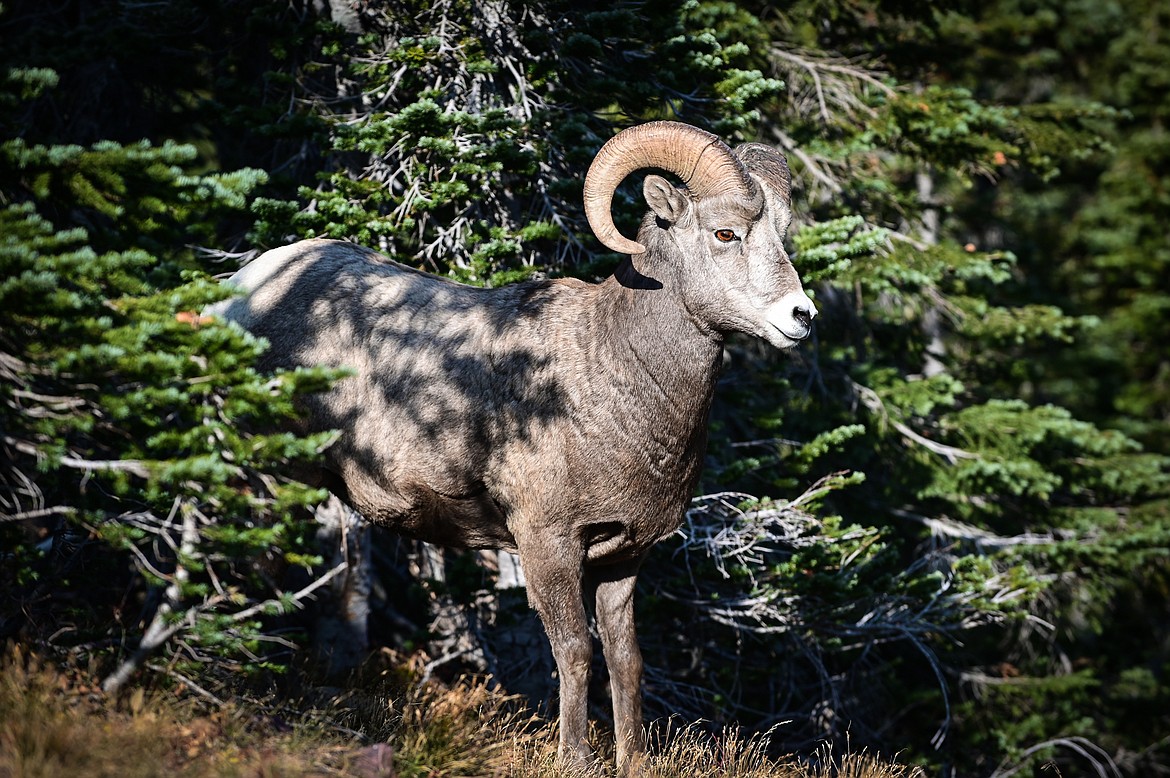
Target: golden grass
[55, 723]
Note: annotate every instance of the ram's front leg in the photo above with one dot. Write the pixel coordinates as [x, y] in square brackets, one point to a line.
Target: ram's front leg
[623, 657]
[553, 569]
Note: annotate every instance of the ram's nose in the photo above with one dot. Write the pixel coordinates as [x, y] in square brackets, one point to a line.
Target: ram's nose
[803, 312]
[797, 314]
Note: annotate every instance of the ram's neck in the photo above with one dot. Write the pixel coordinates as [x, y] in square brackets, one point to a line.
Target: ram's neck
[660, 364]
[614, 381]
[622, 357]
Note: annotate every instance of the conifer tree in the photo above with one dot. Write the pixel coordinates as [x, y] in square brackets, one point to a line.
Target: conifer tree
[951, 349]
[131, 423]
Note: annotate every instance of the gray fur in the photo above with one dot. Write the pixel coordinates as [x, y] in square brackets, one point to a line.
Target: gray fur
[562, 420]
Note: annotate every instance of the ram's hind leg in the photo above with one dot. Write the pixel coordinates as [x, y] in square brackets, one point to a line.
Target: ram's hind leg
[553, 569]
[623, 658]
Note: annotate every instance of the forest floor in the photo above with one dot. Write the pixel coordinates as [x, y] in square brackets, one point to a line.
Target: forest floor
[56, 721]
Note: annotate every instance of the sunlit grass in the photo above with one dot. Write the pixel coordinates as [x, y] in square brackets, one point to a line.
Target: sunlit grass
[56, 722]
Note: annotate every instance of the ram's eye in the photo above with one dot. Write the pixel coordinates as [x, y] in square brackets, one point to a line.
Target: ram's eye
[726, 236]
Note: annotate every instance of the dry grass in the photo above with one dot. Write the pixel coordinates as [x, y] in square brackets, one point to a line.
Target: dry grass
[55, 723]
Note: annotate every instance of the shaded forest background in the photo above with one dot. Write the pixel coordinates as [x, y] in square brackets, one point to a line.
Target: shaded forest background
[939, 529]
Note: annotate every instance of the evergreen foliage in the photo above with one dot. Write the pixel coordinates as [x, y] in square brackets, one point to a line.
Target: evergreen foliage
[130, 420]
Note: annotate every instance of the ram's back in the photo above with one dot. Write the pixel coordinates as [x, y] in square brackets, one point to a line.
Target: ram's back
[444, 374]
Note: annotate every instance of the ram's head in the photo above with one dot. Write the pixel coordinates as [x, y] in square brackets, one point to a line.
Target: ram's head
[723, 227]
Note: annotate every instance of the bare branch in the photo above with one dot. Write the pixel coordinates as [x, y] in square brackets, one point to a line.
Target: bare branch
[871, 400]
[1100, 761]
[132, 466]
[39, 513]
[818, 66]
[983, 540]
[169, 619]
[296, 598]
[817, 168]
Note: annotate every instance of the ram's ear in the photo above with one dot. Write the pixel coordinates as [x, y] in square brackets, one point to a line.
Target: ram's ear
[668, 202]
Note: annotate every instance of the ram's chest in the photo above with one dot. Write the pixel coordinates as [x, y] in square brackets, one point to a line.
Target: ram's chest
[617, 491]
[636, 509]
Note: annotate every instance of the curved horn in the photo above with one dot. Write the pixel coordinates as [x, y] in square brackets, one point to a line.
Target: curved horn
[705, 164]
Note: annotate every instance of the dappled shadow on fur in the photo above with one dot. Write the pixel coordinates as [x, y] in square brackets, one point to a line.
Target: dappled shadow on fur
[438, 385]
[561, 420]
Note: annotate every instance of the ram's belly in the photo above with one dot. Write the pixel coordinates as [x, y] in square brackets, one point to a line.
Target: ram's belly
[414, 509]
[466, 522]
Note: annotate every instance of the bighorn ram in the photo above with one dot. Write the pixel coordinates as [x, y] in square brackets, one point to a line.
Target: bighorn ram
[562, 420]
